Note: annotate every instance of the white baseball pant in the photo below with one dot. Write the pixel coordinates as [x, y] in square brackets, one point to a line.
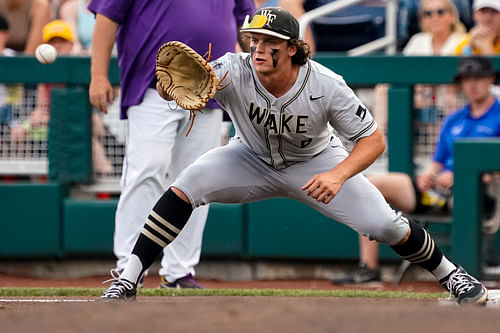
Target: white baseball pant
[156, 151]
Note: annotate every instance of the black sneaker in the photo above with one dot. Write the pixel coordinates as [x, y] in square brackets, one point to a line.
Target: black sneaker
[465, 287]
[362, 274]
[120, 290]
[185, 282]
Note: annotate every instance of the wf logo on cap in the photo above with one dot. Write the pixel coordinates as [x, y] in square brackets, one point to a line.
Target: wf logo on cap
[272, 21]
[270, 17]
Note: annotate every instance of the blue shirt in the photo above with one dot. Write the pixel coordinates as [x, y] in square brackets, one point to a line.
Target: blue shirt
[462, 125]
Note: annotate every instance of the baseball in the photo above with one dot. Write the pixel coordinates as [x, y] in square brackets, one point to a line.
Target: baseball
[46, 54]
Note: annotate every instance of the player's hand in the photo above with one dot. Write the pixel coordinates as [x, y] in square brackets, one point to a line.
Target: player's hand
[482, 38]
[324, 186]
[162, 93]
[101, 93]
[425, 181]
[445, 179]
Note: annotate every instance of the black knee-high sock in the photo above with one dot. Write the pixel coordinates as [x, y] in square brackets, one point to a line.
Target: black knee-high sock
[420, 248]
[164, 223]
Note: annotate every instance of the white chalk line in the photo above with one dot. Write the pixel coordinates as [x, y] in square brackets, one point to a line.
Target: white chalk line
[493, 300]
[45, 300]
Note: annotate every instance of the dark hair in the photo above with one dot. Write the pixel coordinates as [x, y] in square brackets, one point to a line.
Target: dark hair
[4, 25]
[303, 51]
[475, 66]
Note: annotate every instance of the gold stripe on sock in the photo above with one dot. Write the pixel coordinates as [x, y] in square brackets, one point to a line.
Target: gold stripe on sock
[165, 222]
[153, 238]
[160, 230]
[425, 251]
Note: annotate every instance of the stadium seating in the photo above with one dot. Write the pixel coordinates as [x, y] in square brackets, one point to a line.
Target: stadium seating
[349, 28]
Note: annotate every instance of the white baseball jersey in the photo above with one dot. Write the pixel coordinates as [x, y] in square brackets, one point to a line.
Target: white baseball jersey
[293, 127]
[282, 142]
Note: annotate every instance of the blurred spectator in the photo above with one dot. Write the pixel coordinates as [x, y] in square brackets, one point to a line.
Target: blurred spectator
[82, 23]
[58, 34]
[441, 29]
[441, 32]
[26, 19]
[484, 37]
[431, 191]
[5, 108]
[4, 37]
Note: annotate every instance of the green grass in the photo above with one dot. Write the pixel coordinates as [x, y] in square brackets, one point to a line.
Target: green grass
[91, 292]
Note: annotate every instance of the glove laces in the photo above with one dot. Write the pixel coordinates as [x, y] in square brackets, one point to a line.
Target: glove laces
[220, 85]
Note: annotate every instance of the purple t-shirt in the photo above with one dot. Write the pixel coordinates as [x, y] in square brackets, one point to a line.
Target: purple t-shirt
[146, 25]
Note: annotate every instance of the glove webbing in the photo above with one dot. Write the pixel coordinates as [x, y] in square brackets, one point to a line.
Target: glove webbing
[219, 87]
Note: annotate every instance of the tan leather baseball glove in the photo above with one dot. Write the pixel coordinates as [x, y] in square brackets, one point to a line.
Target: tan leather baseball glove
[186, 76]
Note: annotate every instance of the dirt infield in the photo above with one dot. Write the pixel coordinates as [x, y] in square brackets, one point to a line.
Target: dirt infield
[239, 314]
[248, 314]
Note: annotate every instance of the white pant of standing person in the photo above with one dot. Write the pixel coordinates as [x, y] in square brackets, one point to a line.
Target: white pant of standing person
[157, 150]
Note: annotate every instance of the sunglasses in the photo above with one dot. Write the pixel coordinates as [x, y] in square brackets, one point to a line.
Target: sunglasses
[439, 12]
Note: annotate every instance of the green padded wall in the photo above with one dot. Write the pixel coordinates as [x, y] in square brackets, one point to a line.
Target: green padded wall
[30, 222]
[69, 138]
[472, 157]
[225, 231]
[285, 228]
[88, 227]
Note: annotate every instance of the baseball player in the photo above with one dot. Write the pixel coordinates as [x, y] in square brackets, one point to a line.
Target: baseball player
[282, 103]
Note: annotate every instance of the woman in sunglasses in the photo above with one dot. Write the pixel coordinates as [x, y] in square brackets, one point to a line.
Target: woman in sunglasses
[441, 29]
[441, 33]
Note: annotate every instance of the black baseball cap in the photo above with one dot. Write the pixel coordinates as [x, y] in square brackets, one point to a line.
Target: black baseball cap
[475, 66]
[272, 21]
[4, 24]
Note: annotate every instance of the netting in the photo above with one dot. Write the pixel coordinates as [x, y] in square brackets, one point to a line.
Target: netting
[23, 147]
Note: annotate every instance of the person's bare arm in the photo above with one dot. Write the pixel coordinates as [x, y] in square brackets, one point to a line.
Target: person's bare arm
[103, 38]
[40, 15]
[40, 115]
[69, 13]
[325, 186]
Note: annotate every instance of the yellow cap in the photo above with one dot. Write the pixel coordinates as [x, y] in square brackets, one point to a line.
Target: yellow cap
[57, 28]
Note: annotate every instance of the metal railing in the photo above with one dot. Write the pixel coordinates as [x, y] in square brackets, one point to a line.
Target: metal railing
[388, 41]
